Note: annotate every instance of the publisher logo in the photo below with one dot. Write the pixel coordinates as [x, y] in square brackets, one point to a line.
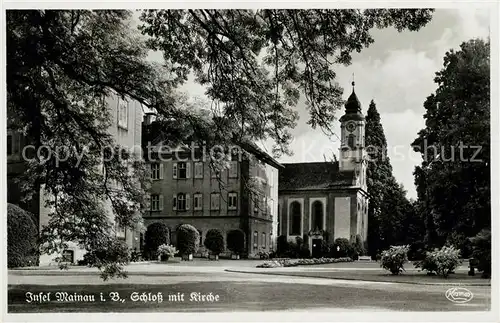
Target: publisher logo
[459, 295]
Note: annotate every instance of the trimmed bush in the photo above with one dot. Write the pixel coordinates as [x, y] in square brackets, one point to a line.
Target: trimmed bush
[359, 247]
[236, 241]
[442, 261]
[214, 241]
[22, 235]
[394, 259]
[481, 252]
[282, 245]
[187, 239]
[156, 235]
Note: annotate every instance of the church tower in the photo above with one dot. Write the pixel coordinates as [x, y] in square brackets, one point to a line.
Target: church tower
[352, 148]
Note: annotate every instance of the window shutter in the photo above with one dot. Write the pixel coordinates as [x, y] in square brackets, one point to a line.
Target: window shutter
[161, 171]
[148, 203]
[174, 170]
[188, 201]
[188, 169]
[174, 202]
[160, 208]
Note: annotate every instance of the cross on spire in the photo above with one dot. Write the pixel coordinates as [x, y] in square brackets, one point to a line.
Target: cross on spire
[353, 81]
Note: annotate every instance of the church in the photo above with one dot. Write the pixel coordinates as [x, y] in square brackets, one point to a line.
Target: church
[328, 200]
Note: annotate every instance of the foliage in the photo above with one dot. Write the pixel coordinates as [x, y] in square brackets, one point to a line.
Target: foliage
[135, 255]
[236, 241]
[359, 246]
[167, 250]
[461, 242]
[187, 239]
[22, 247]
[214, 241]
[417, 251]
[441, 261]
[156, 235]
[394, 259]
[344, 246]
[62, 63]
[282, 245]
[109, 258]
[481, 251]
[301, 262]
[391, 217]
[453, 181]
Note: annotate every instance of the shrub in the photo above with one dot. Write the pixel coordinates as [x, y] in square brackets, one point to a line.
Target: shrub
[236, 241]
[156, 235]
[345, 248]
[359, 247]
[214, 241]
[135, 256]
[22, 235]
[304, 252]
[167, 250]
[441, 261]
[460, 242]
[394, 258]
[282, 245]
[301, 262]
[481, 252]
[417, 251]
[325, 248]
[187, 239]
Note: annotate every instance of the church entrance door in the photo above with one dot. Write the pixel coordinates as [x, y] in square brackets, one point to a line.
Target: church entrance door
[316, 248]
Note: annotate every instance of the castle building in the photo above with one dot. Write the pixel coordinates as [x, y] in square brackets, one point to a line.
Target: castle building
[328, 200]
[185, 189]
[126, 129]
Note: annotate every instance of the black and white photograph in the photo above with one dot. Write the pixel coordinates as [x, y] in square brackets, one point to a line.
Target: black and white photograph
[292, 164]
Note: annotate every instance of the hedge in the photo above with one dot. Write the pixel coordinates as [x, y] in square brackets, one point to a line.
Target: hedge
[286, 262]
[22, 236]
[214, 241]
[156, 235]
[187, 239]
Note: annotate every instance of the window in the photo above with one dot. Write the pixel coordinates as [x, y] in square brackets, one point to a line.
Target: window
[156, 204]
[156, 171]
[296, 217]
[123, 114]
[201, 238]
[264, 205]
[198, 170]
[317, 215]
[256, 202]
[120, 231]
[9, 145]
[233, 170]
[255, 240]
[232, 201]
[198, 202]
[215, 201]
[263, 240]
[182, 170]
[350, 141]
[181, 202]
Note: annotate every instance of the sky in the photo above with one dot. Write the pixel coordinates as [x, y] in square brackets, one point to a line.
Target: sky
[397, 71]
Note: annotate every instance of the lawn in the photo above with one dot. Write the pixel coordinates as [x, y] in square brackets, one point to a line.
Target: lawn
[411, 276]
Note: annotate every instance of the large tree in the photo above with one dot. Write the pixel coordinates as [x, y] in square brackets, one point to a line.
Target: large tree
[454, 178]
[255, 64]
[391, 216]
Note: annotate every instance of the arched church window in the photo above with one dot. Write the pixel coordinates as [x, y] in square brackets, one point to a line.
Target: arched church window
[317, 215]
[350, 141]
[296, 218]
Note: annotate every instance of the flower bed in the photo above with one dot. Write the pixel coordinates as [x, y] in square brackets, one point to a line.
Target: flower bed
[286, 262]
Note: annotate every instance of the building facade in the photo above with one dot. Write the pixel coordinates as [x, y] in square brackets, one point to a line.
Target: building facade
[126, 128]
[186, 190]
[328, 200]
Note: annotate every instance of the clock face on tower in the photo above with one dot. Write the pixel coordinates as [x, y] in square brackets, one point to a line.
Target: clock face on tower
[350, 126]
